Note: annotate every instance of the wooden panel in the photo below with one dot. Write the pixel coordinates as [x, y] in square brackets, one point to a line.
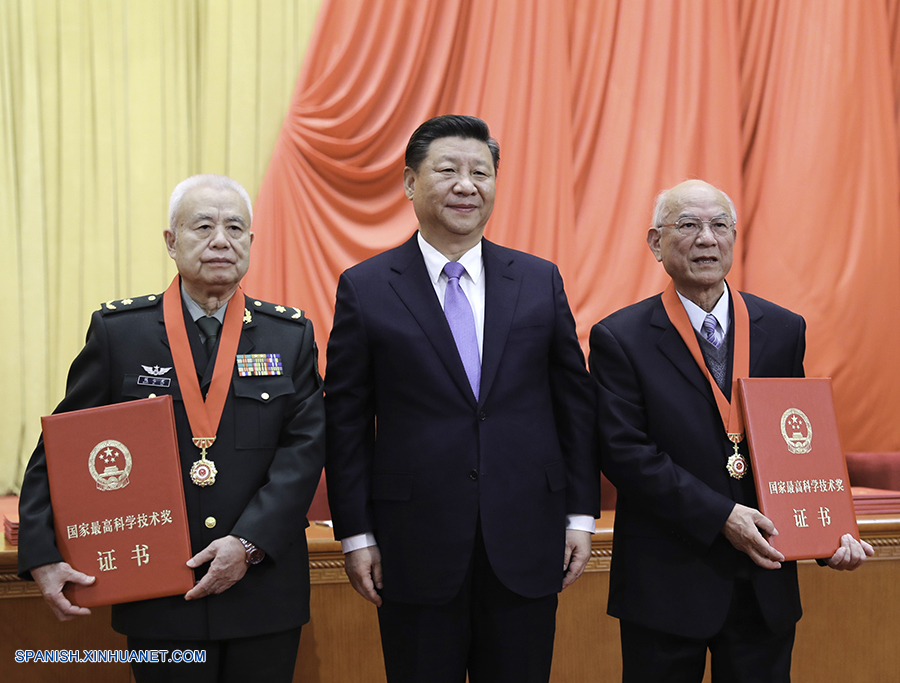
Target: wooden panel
[28, 624]
[848, 632]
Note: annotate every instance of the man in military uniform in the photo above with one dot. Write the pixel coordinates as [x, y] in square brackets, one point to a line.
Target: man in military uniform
[247, 499]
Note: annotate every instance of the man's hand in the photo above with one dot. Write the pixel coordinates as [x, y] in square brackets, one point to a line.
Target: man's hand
[578, 552]
[851, 554]
[51, 578]
[229, 564]
[749, 531]
[363, 568]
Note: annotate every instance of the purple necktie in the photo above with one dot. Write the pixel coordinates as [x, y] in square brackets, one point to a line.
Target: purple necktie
[462, 324]
[709, 329]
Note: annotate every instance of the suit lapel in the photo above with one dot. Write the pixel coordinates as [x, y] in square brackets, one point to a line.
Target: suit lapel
[673, 347]
[198, 353]
[501, 294]
[163, 337]
[409, 279]
[758, 336]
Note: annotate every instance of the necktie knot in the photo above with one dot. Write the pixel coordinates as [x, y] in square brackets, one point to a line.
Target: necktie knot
[709, 330]
[454, 269]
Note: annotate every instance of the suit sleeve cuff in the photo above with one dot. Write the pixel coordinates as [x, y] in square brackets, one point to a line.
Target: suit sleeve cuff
[580, 523]
[358, 542]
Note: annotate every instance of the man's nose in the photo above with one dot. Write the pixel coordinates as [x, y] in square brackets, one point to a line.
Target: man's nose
[464, 184]
[218, 237]
[706, 234]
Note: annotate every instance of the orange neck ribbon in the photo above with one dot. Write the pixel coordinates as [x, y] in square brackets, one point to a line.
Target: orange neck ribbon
[203, 416]
[732, 417]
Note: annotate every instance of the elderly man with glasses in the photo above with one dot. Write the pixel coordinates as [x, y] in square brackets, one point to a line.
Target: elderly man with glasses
[692, 568]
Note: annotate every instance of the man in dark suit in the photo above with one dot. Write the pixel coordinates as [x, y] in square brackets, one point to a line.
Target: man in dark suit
[692, 568]
[247, 521]
[460, 470]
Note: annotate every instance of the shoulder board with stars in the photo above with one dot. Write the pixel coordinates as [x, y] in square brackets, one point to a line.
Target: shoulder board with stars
[277, 310]
[119, 305]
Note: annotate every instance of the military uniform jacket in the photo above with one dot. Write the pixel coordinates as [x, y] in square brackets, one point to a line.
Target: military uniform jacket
[664, 447]
[269, 452]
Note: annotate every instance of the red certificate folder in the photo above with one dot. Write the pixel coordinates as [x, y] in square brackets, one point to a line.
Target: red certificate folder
[118, 500]
[798, 465]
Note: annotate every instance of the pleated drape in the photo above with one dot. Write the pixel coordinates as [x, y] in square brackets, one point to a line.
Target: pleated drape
[791, 106]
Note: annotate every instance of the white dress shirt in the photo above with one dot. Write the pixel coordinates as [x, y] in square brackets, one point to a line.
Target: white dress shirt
[698, 315]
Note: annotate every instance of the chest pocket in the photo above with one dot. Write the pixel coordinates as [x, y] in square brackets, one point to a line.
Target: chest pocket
[259, 410]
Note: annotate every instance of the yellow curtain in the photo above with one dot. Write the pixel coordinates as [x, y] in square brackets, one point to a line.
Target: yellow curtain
[104, 106]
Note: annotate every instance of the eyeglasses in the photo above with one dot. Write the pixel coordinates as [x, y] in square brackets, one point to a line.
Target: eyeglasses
[691, 226]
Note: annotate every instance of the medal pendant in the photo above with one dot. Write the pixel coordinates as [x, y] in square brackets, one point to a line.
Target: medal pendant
[736, 465]
[203, 471]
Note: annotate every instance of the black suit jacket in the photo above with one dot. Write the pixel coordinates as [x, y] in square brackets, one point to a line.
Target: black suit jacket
[665, 448]
[269, 452]
[415, 459]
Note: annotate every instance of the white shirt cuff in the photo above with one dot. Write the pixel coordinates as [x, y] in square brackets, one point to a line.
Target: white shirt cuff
[581, 523]
[358, 542]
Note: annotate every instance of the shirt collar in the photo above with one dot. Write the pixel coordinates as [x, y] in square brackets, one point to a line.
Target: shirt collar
[196, 312]
[698, 315]
[435, 260]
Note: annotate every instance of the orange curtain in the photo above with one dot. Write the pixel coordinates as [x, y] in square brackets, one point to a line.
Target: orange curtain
[791, 106]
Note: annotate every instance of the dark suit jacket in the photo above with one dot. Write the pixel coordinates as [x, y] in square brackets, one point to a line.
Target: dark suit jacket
[665, 449]
[269, 453]
[521, 457]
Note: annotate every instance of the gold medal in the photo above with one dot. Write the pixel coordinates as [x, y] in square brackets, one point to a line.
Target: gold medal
[203, 471]
[736, 465]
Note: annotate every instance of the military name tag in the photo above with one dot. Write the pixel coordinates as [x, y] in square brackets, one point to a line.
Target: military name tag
[259, 364]
[148, 381]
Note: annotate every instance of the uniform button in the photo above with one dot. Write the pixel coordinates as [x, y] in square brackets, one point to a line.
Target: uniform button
[473, 475]
[152, 396]
[482, 416]
[257, 303]
[210, 522]
[264, 395]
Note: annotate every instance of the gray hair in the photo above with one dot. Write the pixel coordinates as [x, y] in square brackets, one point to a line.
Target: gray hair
[662, 206]
[219, 182]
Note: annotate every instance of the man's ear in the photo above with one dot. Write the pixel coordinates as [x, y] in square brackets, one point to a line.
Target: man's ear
[653, 235]
[169, 234]
[409, 182]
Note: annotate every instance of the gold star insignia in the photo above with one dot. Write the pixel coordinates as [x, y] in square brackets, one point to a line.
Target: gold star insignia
[280, 309]
[127, 301]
